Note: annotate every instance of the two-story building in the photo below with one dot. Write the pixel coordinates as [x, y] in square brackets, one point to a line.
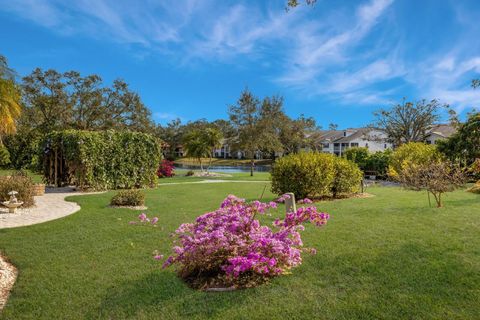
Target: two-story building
[337, 141]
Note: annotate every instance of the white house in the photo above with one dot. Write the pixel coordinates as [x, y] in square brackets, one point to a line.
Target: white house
[337, 141]
[439, 132]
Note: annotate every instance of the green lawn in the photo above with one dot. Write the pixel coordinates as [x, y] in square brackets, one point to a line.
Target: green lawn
[385, 257]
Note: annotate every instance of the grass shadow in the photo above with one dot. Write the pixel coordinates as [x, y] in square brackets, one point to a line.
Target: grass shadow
[165, 294]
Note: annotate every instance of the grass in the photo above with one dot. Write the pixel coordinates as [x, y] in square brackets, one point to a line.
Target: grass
[384, 257]
[236, 176]
[222, 162]
[37, 178]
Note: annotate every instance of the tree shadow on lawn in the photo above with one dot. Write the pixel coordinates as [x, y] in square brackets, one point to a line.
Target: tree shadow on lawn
[419, 281]
[162, 293]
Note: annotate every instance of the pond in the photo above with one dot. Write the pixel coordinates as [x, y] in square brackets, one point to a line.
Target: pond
[226, 169]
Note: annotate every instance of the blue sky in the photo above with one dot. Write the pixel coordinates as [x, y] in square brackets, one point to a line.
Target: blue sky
[337, 61]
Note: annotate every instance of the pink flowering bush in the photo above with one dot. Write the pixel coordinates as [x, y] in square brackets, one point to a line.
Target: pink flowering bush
[230, 248]
[166, 169]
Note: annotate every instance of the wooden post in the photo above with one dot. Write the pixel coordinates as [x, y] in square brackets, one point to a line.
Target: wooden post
[290, 205]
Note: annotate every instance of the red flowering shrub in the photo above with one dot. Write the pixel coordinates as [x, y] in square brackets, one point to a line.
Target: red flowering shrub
[230, 248]
[166, 169]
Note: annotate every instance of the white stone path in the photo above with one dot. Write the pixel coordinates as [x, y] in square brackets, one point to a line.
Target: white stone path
[50, 206]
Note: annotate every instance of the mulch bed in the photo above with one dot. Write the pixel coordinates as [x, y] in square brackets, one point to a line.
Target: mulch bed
[8, 275]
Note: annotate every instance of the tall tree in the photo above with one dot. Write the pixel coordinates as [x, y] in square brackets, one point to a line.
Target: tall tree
[56, 101]
[172, 134]
[407, 122]
[296, 133]
[332, 126]
[296, 3]
[10, 108]
[464, 145]
[271, 121]
[85, 98]
[245, 117]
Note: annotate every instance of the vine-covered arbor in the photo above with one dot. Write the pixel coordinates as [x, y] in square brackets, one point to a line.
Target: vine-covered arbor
[100, 160]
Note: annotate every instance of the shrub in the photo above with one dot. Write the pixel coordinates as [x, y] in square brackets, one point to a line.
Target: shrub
[230, 248]
[347, 178]
[378, 162]
[436, 177]
[20, 182]
[131, 197]
[314, 175]
[4, 156]
[189, 173]
[166, 169]
[358, 155]
[413, 153]
[101, 160]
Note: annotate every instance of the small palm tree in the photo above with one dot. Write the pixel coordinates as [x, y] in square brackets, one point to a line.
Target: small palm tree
[196, 146]
[10, 108]
[213, 137]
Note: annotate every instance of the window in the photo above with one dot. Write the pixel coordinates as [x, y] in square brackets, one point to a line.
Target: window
[366, 145]
[344, 133]
[428, 142]
[354, 144]
[336, 145]
[385, 146]
[326, 145]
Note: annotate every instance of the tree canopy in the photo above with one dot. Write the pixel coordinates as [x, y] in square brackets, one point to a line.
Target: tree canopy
[407, 122]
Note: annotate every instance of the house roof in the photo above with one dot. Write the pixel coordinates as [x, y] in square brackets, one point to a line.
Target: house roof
[443, 130]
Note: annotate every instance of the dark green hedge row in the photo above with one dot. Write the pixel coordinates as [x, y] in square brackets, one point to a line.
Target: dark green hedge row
[101, 160]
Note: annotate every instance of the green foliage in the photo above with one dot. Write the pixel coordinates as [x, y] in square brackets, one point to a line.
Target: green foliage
[132, 197]
[408, 122]
[62, 101]
[413, 153]
[464, 145]
[378, 162]
[315, 175]
[369, 162]
[23, 148]
[102, 160]
[347, 178]
[358, 155]
[4, 156]
[20, 182]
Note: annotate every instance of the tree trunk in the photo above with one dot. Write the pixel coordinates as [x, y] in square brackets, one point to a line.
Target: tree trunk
[252, 164]
[201, 165]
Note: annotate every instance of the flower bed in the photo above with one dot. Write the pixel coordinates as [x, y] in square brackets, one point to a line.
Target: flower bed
[229, 248]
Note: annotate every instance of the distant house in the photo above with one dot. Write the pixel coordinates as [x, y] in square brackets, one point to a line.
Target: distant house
[338, 141]
[439, 132]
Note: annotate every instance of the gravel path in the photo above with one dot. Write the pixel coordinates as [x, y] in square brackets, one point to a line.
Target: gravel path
[50, 206]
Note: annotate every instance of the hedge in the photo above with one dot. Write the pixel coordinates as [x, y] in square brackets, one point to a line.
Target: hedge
[101, 160]
[315, 175]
